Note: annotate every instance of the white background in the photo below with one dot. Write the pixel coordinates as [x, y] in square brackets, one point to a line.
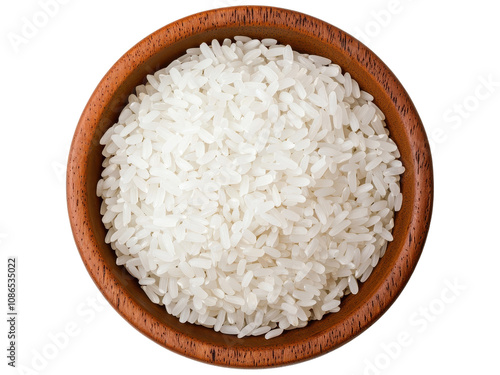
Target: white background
[443, 52]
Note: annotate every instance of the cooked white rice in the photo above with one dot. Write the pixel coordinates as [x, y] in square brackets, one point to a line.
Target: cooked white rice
[249, 187]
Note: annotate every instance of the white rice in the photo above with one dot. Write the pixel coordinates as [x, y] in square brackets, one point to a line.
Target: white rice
[249, 188]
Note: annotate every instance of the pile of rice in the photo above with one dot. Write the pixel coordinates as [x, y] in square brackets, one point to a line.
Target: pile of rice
[249, 187]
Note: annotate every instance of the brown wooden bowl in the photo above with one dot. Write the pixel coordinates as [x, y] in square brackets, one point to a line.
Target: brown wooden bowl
[305, 34]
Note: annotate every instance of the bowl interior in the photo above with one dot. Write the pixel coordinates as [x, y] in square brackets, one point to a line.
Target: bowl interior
[357, 311]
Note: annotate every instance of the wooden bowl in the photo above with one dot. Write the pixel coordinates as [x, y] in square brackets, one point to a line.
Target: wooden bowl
[305, 34]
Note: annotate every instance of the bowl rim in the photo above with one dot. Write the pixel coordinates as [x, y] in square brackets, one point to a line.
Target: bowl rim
[76, 189]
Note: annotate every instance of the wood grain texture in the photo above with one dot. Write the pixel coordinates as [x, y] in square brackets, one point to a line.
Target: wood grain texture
[305, 34]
